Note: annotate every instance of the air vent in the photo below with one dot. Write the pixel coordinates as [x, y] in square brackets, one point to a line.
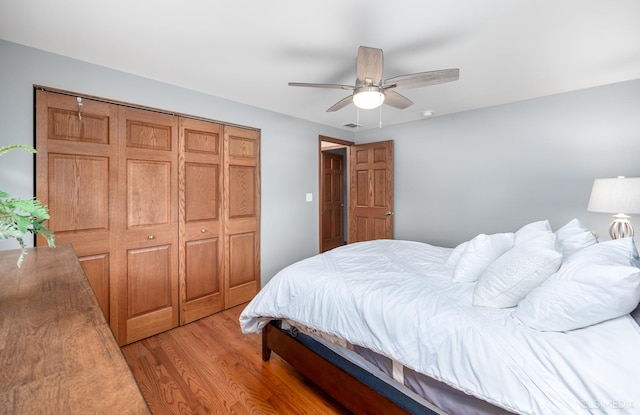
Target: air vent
[351, 125]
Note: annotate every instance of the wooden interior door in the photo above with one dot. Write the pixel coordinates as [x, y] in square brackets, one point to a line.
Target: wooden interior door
[147, 276]
[332, 229]
[75, 165]
[241, 206]
[201, 245]
[371, 193]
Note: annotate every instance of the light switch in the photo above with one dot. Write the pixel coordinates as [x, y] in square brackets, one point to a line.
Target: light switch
[309, 197]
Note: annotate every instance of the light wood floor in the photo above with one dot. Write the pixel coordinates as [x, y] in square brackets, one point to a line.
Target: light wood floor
[209, 367]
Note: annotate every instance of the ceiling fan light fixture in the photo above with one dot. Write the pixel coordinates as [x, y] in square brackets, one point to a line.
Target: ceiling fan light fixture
[368, 97]
[371, 91]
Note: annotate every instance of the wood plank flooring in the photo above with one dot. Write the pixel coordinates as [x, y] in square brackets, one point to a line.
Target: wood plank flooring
[210, 367]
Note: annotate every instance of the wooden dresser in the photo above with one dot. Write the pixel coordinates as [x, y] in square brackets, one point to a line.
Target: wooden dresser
[57, 353]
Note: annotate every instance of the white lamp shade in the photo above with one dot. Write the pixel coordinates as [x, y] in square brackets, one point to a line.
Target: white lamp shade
[619, 195]
[368, 98]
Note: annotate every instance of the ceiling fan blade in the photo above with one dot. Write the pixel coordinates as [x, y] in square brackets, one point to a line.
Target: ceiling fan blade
[421, 79]
[341, 104]
[333, 86]
[396, 100]
[369, 64]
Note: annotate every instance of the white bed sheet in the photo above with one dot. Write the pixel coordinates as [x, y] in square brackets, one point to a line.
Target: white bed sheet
[397, 298]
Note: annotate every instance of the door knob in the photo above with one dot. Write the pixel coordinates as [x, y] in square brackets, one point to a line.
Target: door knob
[388, 213]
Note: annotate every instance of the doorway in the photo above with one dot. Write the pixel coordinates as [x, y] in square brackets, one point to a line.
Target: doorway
[333, 194]
[356, 192]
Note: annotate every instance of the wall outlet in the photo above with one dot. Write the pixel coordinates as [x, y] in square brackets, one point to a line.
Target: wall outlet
[309, 197]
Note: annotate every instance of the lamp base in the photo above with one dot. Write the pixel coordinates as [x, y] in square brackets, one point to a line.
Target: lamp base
[620, 227]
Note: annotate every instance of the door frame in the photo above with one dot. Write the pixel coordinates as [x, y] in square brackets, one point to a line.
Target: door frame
[334, 143]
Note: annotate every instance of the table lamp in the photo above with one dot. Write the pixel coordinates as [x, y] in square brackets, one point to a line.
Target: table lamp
[619, 196]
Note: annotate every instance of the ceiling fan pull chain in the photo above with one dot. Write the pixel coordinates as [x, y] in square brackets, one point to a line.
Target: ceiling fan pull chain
[380, 116]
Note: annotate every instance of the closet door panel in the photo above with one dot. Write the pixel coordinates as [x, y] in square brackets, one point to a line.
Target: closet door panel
[242, 215]
[79, 121]
[202, 294]
[76, 174]
[149, 133]
[201, 252]
[242, 259]
[242, 194]
[149, 279]
[147, 267]
[149, 193]
[201, 262]
[78, 193]
[96, 268]
[202, 192]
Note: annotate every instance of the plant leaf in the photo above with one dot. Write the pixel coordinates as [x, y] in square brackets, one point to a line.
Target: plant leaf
[32, 207]
[6, 149]
[19, 216]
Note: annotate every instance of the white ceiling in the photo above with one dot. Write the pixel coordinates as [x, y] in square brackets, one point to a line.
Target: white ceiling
[248, 50]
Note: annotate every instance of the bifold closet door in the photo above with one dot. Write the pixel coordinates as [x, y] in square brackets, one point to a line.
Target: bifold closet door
[146, 285]
[241, 199]
[201, 245]
[76, 173]
[163, 211]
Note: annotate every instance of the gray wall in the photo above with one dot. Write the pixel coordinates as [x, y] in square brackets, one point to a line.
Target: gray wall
[496, 169]
[289, 146]
[482, 171]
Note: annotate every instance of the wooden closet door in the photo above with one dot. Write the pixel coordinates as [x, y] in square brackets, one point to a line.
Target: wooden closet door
[146, 295]
[241, 198]
[76, 171]
[201, 246]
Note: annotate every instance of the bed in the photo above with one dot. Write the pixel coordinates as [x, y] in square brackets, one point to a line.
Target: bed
[533, 322]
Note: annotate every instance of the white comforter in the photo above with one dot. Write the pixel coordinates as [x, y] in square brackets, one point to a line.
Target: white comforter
[397, 298]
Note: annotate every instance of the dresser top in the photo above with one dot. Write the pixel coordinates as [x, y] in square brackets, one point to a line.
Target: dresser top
[57, 352]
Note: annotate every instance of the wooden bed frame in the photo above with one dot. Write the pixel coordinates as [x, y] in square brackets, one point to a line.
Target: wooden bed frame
[352, 386]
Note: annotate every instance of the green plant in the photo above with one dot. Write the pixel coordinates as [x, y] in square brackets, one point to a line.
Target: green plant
[21, 216]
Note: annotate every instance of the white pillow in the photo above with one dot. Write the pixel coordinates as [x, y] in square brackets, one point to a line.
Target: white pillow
[456, 254]
[581, 295]
[574, 236]
[479, 253]
[512, 276]
[571, 228]
[621, 251]
[531, 231]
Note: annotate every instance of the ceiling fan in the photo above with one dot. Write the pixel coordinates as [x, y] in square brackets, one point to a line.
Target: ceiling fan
[370, 91]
